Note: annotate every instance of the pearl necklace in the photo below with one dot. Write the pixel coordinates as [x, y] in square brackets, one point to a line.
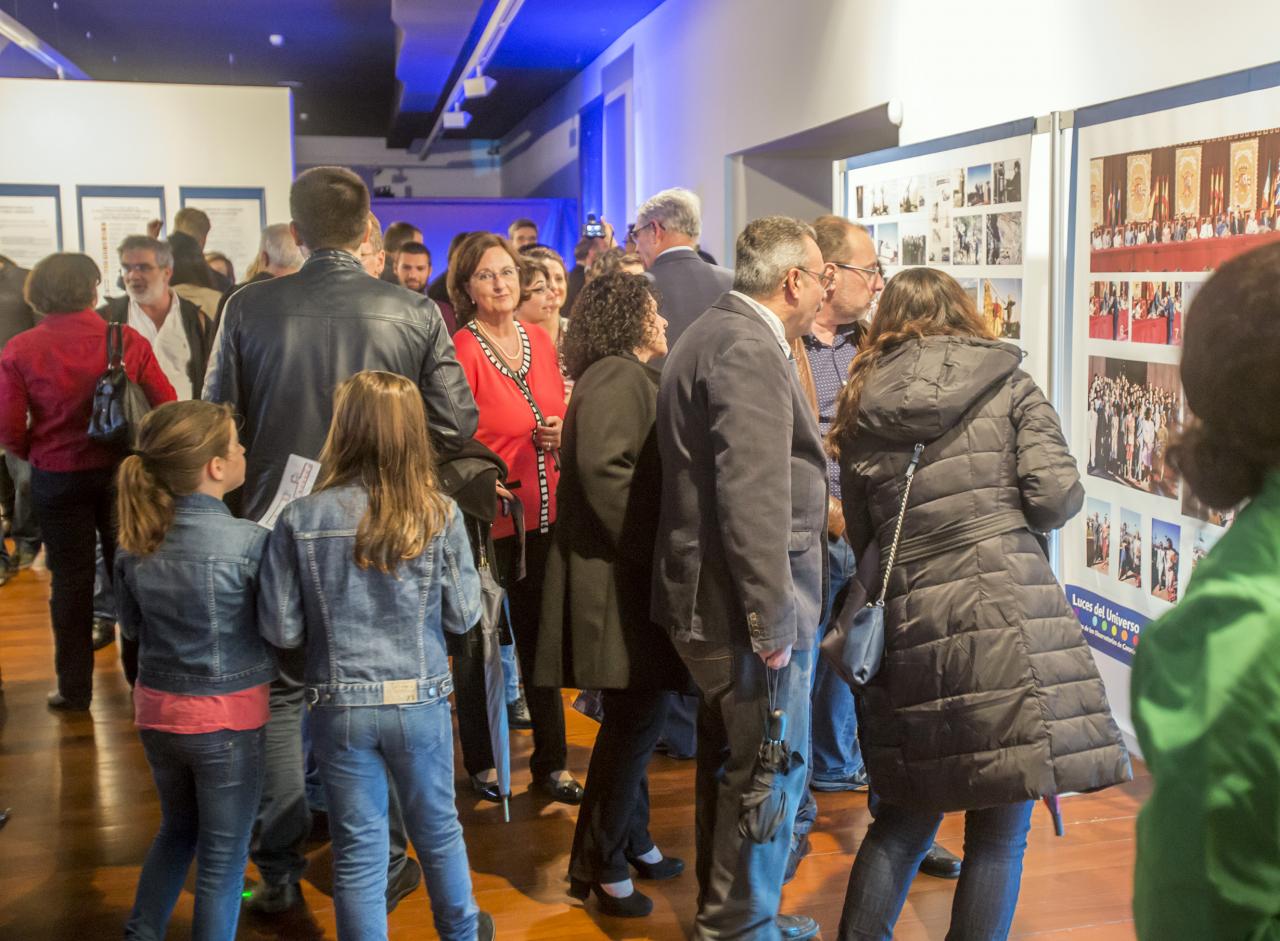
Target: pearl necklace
[493, 341]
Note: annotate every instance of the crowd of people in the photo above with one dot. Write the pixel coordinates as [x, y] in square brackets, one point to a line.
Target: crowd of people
[1129, 428]
[1184, 228]
[678, 474]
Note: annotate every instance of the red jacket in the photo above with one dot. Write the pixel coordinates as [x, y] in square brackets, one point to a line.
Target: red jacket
[50, 371]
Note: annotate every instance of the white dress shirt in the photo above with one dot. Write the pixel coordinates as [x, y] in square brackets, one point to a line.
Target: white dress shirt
[168, 342]
[773, 321]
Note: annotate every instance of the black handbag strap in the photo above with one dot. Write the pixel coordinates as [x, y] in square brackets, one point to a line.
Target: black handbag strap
[115, 344]
[897, 532]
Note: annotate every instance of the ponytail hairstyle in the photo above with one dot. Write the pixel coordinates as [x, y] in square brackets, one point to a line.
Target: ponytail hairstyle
[378, 441]
[1231, 441]
[916, 303]
[175, 442]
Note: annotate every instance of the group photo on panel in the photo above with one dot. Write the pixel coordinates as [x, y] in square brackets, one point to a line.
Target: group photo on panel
[355, 505]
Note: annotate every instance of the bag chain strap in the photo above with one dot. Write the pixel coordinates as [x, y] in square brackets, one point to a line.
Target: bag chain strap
[897, 533]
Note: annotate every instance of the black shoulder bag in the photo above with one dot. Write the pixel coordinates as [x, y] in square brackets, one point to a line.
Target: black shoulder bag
[118, 402]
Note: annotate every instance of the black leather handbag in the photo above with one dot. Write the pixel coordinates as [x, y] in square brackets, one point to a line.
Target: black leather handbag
[854, 643]
[119, 403]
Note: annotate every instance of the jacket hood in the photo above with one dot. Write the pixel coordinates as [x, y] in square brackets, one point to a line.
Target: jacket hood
[920, 390]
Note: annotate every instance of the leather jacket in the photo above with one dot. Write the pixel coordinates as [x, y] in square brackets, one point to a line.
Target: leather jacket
[285, 344]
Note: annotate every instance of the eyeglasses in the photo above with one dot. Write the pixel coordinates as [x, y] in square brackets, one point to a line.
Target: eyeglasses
[824, 278]
[873, 273]
[634, 231]
[488, 277]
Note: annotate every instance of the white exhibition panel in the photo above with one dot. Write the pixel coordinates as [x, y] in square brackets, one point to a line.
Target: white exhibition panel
[1127, 557]
[956, 209]
[139, 138]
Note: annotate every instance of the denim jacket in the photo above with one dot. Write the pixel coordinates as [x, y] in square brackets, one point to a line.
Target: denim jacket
[371, 638]
[192, 604]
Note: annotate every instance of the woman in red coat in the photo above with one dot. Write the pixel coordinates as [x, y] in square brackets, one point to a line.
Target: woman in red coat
[49, 373]
[514, 374]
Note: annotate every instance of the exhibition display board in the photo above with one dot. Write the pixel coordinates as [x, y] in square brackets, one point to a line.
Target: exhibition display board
[237, 214]
[1165, 188]
[960, 204]
[30, 222]
[108, 214]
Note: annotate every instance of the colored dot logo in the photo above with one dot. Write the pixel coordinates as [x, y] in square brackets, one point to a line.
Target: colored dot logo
[1112, 627]
[1124, 636]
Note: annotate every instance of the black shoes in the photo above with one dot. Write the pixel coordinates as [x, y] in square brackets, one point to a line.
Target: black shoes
[796, 927]
[59, 703]
[485, 929]
[799, 850]
[518, 716]
[486, 790]
[566, 792]
[266, 898]
[407, 879]
[635, 905]
[941, 863]
[104, 633]
[668, 867]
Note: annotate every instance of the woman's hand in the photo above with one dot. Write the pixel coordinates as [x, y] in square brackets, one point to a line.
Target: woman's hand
[504, 493]
[547, 436]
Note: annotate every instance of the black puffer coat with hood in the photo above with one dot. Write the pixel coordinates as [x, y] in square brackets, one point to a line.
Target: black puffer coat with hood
[988, 694]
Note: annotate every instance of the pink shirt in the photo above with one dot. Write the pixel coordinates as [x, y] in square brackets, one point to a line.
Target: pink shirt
[193, 715]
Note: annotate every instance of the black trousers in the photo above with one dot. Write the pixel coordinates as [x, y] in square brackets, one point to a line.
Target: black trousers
[76, 510]
[613, 822]
[546, 708]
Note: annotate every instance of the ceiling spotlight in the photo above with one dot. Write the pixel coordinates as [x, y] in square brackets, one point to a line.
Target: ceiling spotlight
[477, 87]
[276, 40]
[456, 120]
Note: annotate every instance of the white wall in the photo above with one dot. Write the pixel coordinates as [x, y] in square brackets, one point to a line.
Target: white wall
[132, 134]
[713, 77]
[453, 168]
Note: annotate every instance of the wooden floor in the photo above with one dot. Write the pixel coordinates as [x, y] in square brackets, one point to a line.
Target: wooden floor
[84, 812]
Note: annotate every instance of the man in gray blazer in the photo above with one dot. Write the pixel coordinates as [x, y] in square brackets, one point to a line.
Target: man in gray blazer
[666, 233]
[740, 565]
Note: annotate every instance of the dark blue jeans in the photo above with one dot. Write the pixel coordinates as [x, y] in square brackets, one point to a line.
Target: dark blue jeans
[898, 839]
[209, 786]
[836, 754]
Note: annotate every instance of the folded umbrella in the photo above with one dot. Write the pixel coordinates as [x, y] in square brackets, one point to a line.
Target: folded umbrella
[492, 610]
[764, 803]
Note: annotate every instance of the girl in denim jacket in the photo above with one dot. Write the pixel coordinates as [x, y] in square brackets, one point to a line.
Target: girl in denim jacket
[367, 574]
[186, 584]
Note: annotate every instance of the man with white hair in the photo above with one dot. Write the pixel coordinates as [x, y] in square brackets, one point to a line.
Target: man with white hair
[666, 233]
[278, 255]
[740, 564]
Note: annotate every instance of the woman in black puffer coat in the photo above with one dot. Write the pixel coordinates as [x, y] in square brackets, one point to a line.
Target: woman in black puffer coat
[988, 697]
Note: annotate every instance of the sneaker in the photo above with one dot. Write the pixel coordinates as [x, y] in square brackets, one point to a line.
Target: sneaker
[407, 879]
[857, 781]
[518, 716]
[266, 898]
[485, 929]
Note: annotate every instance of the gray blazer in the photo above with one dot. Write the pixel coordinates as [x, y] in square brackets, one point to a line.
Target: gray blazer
[741, 551]
[687, 286]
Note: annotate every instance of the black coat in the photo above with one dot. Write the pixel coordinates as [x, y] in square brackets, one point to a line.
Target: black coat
[15, 315]
[595, 631]
[988, 693]
[199, 335]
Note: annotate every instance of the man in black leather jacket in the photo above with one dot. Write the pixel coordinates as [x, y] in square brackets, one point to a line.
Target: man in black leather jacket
[287, 343]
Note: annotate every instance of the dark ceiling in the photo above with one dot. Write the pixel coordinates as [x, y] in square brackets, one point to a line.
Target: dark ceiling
[372, 68]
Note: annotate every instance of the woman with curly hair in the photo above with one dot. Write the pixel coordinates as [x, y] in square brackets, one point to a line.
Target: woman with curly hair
[595, 631]
[1207, 674]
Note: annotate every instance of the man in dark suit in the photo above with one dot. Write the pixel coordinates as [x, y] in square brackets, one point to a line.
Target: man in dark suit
[16, 316]
[666, 233]
[740, 564]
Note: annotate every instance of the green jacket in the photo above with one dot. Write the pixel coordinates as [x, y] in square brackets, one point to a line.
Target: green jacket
[1206, 707]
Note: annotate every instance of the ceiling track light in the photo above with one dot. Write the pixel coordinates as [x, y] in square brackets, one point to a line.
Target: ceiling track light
[478, 86]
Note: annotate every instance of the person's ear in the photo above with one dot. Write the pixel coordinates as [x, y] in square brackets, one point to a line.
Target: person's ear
[297, 238]
[216, 469]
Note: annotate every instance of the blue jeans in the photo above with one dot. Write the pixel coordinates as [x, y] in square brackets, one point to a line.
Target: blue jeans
[209, 786]
[896, 842]
[357, 747]
[836, 754]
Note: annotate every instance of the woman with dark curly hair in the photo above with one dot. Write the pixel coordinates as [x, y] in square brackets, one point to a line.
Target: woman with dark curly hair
[595, 631]
[1207, 675]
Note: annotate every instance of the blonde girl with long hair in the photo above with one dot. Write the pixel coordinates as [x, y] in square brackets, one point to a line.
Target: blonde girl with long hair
[367, 574]
[186, 588]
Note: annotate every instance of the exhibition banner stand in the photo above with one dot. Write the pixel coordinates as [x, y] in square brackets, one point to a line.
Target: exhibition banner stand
[965, 205]
[107, 214]
[1164, 188]
[30, 222]
[237, 216]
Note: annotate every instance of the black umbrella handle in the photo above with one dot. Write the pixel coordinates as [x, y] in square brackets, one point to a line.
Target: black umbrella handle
[777, 725]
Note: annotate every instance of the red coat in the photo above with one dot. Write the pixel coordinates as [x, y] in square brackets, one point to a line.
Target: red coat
[507, 421]
[50, 371]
